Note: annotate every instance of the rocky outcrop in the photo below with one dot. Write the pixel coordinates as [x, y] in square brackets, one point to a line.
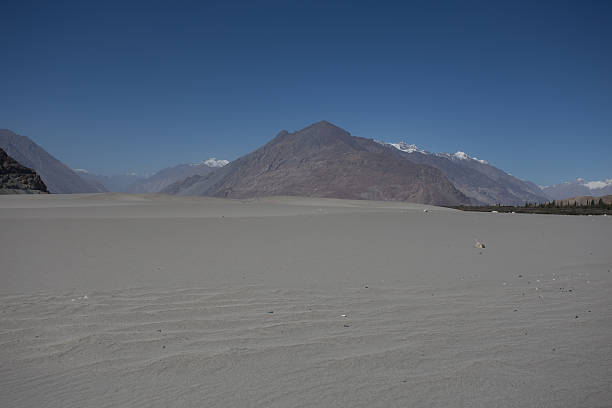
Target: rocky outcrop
[18, 179]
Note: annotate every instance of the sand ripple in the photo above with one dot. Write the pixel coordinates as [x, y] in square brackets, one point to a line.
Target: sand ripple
[253, 346]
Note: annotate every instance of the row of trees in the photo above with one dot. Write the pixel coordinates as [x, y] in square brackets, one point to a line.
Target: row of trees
[560, 204]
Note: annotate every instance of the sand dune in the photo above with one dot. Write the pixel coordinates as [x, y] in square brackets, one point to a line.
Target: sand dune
[125, 300]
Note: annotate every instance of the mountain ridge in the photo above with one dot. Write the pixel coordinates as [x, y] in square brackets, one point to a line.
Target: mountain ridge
[578, 187]
[169, 175]
[117, 183]
[323, 160]
[475, 177]
[58, 177]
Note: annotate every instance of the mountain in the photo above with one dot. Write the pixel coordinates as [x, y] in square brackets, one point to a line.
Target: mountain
[119, 183]
[323, 160]
[58, 177]
[18, 179]
[580, 187]
[165, 177]
[475, 177]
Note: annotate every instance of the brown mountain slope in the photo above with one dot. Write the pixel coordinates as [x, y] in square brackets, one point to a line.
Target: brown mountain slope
[16, 179]
[323, 160]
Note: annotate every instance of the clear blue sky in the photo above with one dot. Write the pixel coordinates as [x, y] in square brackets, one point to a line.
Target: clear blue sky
[137, 86]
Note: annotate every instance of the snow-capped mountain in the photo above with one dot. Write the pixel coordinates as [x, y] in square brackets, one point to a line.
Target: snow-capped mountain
[598, 185]
[475, 177]
[579, 187]
[412, 148]
[323, 160]
[136, 183]
[404, 147]
[212, 162]
[170, 175]
[461, 156]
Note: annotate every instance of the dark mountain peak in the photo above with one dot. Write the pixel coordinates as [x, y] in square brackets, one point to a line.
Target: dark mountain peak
[319, 135]
[323, 127]
[324, 124]
[323, 160]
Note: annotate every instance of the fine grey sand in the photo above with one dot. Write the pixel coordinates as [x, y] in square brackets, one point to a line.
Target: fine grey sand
[126, 301]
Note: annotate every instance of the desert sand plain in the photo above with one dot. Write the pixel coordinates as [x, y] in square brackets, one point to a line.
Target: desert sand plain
[116, 300]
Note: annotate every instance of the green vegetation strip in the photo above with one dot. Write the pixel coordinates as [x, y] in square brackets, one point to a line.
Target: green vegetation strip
[553, 207]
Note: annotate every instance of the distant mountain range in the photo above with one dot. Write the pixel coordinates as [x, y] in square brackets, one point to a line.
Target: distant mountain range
[18, 179]
[323, 160]
[58, 177]
[118, 183]
[170, 175]
[475, 177]
[580, 187]
[136, 183]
